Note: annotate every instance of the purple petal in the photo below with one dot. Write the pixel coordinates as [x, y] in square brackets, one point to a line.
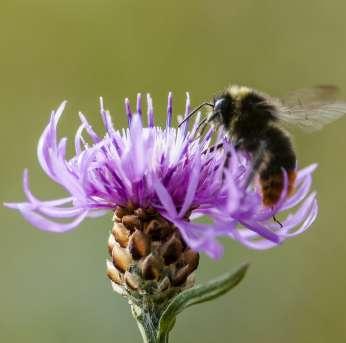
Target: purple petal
[312, 215]
[169, 110]
[192, 187]
[261, 244]
[79, 139]
[95, 138]
[306, 171]
[301, 214]
[128, 110]
[139, 104]
[150, 111]
[200, 237]
[300, 193]
[106, 118]
[262, 231]
[47, 225]
[138, 154]
[165, 198]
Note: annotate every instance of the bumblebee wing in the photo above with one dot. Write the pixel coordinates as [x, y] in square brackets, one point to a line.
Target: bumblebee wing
[312, 96]
[313, 119]
[311, 109]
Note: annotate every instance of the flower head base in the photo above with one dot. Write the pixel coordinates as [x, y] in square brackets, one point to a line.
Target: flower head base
[167, 169]
[148, 255]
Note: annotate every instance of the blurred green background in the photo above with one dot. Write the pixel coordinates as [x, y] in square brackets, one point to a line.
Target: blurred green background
[53, 287]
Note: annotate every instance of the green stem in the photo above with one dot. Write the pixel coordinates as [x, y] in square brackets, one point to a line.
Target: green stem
[156, 317]
[149, 334]
[147, 322]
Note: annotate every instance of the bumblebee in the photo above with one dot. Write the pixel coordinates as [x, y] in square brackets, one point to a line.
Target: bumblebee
[253, 120]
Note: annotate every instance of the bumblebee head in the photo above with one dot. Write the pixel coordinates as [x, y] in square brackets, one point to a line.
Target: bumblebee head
[239, 104]
[228, 105]
[223, 111]
[236, 105]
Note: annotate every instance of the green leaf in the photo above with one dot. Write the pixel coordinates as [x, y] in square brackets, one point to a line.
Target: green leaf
[199, 294]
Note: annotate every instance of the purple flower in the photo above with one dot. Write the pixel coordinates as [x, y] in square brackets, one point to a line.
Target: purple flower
[169, 169]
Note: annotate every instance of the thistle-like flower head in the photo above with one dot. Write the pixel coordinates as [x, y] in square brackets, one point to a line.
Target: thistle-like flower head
[171, 170]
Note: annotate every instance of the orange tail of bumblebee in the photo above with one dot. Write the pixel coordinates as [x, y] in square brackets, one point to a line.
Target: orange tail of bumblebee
[272, 187]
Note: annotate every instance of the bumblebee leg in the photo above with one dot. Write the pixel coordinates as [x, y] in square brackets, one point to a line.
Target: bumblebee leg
[238, 144]
[204, 121]
[277, 221]
[228, 156]
[213, 147]
[256, 162]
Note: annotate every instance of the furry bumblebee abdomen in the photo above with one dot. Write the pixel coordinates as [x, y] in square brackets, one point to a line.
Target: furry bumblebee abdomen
[273, 185]
[279, 156]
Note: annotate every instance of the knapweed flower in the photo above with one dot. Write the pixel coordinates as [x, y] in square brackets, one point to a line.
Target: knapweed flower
[169, 172]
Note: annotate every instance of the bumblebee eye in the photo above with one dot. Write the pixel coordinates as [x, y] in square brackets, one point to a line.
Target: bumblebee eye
[218, 106]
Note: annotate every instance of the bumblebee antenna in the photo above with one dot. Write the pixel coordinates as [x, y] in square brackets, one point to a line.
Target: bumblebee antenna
[194, 111]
